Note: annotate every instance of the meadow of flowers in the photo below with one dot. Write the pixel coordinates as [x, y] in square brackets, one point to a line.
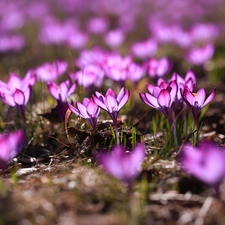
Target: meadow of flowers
[112, 112]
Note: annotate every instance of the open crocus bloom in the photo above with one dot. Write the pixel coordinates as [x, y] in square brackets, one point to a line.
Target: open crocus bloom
[122, 164]
[87, 110]
[17, 91]
[10, 145]
[205, 161]
[197, 101]
[61, 92]
[161, 98]
[111, 102]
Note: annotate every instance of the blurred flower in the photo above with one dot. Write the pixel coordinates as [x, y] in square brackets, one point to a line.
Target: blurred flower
[157, 68]
[90, 75]
[51, 71]
[196, 101]
[87, 110]
[205, 161]
[122, 164]
[145, 48]
[17, 91]
[116, 67]
[97, 25]
[135, 72]
[10, 145]
[115, 38]
[200, 55]
[11, 43]
[76, 40]
[111, 102]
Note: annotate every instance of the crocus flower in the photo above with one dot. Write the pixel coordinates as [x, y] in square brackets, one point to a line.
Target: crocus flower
[90, 75]
[111, 102]
[161, 98]
[51, 71]
[115, 38]
[10, 145]
[17, 91]
[61, 93]
[157, 68]
[87, 110]
[145, 48]
[122, 164]
[196, 101]
[200, 55]
[204, 161]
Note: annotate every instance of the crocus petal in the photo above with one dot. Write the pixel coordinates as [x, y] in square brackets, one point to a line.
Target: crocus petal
[149, 100]
[124, 100]
[53, 90]
[73, 109]
[188, 97]
[63, 90]
[200, 97]
[83, 110]
[99, 101]
[210, 98]
[19, 97]
[110, 92]
[111, 104]
[14, 82]
[164, 99]
[92, 108]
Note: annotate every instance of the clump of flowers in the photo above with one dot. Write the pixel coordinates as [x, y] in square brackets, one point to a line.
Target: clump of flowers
[204, 161]
[10, 144]
[122, 164]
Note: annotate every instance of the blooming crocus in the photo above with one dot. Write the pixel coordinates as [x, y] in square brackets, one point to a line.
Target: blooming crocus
[87, 110]
[161, 98]
[10, 145]
[196, 101]
[122, 164]
[112, 104]
[204, 161]
[51, 71]
[17, 91]
[61, 93]
[157, 68]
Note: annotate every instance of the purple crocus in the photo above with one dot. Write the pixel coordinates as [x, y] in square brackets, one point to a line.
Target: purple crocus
[51, 71]
[61, 93]
[10, 145]
[87, 110]
[111, 102]
[204, 161]
[157, 68]
[196, 101]
[161, 98]
[17, 91]
[122, 164]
